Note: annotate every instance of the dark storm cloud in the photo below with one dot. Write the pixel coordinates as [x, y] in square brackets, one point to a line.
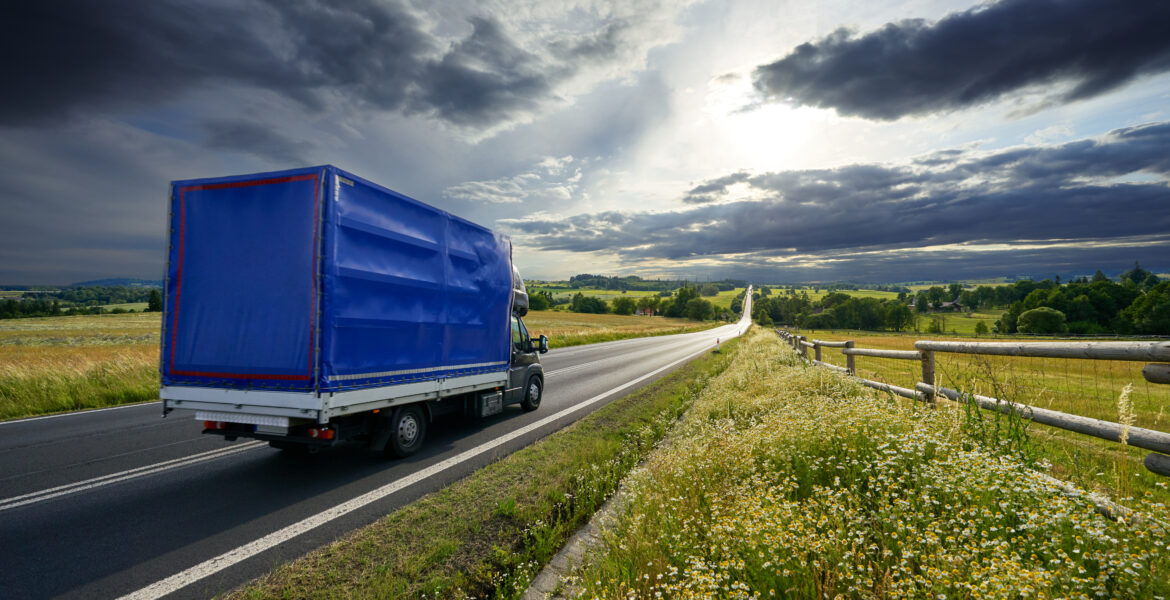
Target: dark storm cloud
[68, 57]
[1042, 194]
[484, 78]
[901, 265]
[913, 67]
[254, 138]
[713, 190]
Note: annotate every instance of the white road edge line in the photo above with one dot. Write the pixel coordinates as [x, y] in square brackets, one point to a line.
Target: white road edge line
[96, 482]
[76, 412]
[210, 567]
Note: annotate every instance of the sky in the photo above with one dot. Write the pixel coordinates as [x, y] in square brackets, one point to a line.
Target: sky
[774, 141]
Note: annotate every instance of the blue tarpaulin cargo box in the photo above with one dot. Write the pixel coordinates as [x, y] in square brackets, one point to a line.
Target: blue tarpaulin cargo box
[318, 280]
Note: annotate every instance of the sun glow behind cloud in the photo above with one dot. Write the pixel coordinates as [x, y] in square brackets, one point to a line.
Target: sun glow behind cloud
[759, 136]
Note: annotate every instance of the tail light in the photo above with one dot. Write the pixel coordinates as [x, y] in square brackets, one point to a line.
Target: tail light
[214, 425]
[322, 433]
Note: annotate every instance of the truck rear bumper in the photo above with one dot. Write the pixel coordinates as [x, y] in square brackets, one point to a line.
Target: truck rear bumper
[286, 408]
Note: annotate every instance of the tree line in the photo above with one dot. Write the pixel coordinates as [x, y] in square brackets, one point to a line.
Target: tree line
[685, 302]
[836, 310]
[1137, 303]
[54, 302]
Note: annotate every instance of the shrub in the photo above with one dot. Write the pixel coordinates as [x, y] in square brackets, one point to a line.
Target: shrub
[1042, 320]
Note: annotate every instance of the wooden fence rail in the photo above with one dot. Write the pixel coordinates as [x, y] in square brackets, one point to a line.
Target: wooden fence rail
[927, 390]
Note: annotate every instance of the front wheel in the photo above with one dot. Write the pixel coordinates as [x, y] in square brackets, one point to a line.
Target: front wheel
[532, 394]
[408, 429]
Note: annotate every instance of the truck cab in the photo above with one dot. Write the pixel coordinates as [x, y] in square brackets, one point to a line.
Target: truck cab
[525, 373]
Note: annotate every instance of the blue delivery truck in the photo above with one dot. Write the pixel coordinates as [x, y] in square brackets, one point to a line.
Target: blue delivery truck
[311, 307]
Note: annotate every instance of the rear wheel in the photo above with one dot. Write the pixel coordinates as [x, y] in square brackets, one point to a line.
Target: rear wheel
[408, 429]
[532, 393]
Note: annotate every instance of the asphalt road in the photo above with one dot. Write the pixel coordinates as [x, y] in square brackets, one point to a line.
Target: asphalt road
[102, 504]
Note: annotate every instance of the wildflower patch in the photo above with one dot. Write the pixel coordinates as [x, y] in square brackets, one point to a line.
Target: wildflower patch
[784, 480]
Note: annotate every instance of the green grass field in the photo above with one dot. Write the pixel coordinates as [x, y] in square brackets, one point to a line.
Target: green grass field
[1089, 388]
[787, 481]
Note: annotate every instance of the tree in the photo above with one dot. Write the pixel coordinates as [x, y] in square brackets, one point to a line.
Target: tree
[1137, 275]
[981, 328]
[921, 304]
[587, 304]
[898, 316]
[1041, 320]
[538, 301]
[1150, 313]
[624, 306]
[1099, 276]
[154, 301]
[709, 289]
[818, 321]
[698, 309]
[1009, 320]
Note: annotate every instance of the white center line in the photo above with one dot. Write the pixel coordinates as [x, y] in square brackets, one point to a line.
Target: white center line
[96, 482]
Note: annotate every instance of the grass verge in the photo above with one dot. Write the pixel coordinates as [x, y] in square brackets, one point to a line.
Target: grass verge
[488, 534]
[795, 481]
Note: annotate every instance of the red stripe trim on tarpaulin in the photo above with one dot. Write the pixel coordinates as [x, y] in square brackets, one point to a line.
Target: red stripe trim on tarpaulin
[179, 272]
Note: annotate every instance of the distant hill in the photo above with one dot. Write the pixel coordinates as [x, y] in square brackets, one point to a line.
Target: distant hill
[118, 282]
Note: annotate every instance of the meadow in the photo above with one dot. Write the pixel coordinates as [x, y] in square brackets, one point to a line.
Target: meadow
[56, 364]
[723, 298]
[1090, 388]
[59, 364]
[573, 329]
[786, 480]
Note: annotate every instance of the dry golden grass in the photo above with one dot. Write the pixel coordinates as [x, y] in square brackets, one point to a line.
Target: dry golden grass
[572, 329]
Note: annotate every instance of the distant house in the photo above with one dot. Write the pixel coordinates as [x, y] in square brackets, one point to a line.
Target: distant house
[952, 306]
[645, 312]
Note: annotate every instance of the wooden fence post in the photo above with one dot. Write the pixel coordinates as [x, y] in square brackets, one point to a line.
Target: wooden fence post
[817, 350]
[850, 364]
[928, 373]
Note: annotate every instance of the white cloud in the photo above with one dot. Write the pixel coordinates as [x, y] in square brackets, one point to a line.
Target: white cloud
[545, 181]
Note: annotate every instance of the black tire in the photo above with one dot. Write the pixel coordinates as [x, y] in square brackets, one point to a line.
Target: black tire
[408, 431]
[532, 394]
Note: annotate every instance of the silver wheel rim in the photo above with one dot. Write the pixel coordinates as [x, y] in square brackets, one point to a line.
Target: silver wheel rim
[407, 430]
[533, 393]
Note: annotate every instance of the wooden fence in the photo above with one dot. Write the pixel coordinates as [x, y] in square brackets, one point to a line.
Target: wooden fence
[927, 390]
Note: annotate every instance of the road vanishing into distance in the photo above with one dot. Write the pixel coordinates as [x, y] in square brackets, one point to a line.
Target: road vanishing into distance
[122, 502]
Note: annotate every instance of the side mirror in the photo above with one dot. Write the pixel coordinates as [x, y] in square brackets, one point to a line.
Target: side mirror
[543, 344]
